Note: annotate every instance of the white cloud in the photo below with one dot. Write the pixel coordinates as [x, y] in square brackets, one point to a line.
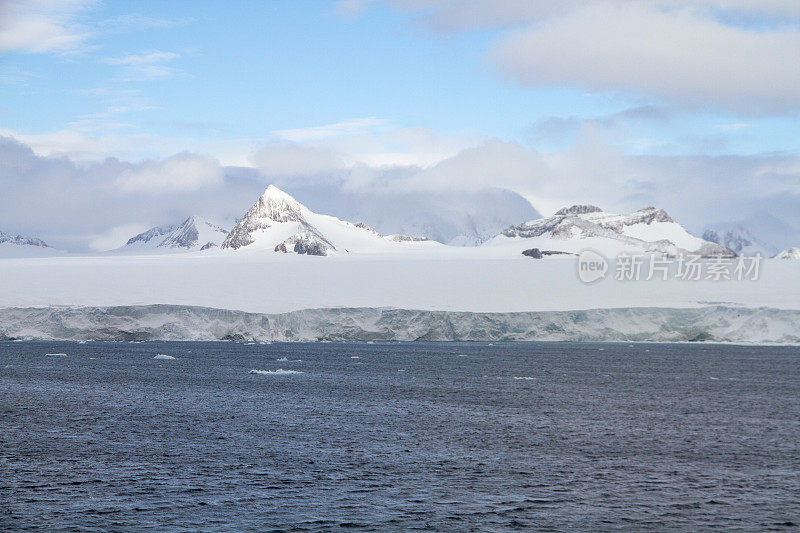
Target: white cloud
[351, 8]
[327, 131]
[460, 15]
[42, 26]
[115, 237]
[180, 172]
[675, 56]
[290, 159]
[143, 59]
[738, 55]
[145, 66]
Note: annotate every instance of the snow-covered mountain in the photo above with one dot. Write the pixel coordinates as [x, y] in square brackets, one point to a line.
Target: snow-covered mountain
[791, 253]
[279, 223]
[20, 246]
[575, 228]
[739, 239]
[194, 233]
[458, 218]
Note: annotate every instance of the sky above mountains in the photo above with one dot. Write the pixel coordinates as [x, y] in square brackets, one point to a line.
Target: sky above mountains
[116, 116]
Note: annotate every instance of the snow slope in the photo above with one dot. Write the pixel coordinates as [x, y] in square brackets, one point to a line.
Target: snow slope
[444, 278]
[194, 233]
[573, 229]
[279, 223]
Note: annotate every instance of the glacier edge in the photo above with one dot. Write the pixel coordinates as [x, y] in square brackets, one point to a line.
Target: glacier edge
[163, 322]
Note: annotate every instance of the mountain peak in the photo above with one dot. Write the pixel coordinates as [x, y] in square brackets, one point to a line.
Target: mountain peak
[277, 206]
[193, 232]
[274, 206]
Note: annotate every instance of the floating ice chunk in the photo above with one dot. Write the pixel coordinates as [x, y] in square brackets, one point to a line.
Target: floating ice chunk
[287, 360]
[279, 371]
[55, 355]
[163, 357]
[523, 377]
[712, 377]
[354, 357]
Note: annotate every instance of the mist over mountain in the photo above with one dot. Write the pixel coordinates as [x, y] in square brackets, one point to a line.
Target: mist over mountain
[460, 218]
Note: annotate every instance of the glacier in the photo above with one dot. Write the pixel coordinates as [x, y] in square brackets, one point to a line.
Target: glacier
[714, 323]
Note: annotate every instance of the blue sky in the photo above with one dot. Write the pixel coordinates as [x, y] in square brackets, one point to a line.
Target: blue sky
[610, 101]
[242, 70]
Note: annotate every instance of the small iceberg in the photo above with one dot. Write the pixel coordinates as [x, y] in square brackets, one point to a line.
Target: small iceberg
[279, 371]
[523, 377]
[164, 357]
[55, 355]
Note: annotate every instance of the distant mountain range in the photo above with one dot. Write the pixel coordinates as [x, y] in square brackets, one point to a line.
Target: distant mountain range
[278, 223]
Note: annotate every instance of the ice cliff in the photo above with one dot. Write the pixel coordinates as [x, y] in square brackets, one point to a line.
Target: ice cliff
[184, 323]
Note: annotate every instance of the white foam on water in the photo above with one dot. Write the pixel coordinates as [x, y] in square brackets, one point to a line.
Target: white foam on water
[287, 360]
[164, 357]
[462, 355]
[712, 377]
[273, 372]
[524, 377]
[354, 357]
[55, 355]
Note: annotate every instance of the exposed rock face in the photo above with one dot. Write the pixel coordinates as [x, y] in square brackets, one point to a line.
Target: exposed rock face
[533, 252]
[20, 240]
[579, 210]
[712, 249]
[406, 238]
[208, 245]
[305, 243]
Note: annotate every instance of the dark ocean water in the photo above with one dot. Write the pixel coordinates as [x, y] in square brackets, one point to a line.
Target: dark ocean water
[405, 436]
